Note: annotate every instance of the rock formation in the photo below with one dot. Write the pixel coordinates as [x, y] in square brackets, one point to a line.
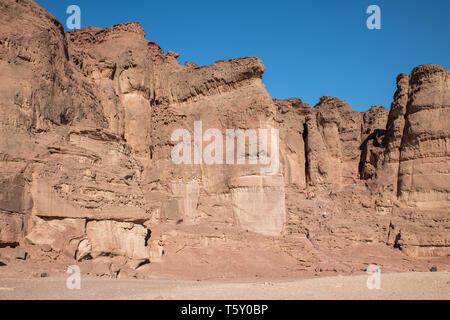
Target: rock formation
[86, 123]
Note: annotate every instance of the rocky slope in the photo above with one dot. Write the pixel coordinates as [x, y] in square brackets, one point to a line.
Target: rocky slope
[86, 121]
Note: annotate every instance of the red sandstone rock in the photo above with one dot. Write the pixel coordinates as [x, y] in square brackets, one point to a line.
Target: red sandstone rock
[85, 172]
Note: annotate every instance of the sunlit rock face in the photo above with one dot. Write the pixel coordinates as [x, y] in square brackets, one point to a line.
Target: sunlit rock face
[87, 173]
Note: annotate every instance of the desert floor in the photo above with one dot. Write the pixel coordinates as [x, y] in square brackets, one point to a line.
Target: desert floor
[412, 285]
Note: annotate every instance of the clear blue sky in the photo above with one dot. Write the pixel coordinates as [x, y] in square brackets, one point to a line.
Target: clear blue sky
[310, 48]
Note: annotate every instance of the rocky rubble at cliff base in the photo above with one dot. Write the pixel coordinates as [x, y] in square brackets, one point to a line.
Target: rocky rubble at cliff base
[86, 175]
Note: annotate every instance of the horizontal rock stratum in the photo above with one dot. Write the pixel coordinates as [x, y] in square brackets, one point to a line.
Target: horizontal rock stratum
[86, 175]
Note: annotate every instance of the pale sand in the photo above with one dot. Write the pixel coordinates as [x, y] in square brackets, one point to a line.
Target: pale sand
[393, 286]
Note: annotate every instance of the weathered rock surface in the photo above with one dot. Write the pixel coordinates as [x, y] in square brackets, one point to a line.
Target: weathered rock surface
[411, 170]
[86, 175]
[372, 147]
[10, 229]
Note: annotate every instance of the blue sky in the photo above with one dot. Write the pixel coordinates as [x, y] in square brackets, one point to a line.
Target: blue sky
[309, 48]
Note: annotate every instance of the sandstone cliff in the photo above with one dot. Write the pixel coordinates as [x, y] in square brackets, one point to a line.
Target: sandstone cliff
[86, 120]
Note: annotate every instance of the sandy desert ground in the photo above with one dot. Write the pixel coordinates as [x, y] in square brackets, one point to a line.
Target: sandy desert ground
[415, 285]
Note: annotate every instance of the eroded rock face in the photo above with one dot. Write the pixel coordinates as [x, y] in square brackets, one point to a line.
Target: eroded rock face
[86, 123]
[61, 235]
[258, 204]
[412, 169]
[117, 238]
[10, 229]
[333, 140]
[291, 119]
[415, 165]
[63, 159]
[424, 160]
[372, 147]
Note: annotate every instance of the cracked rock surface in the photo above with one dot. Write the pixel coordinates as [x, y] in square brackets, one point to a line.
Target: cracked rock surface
[86, 175]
